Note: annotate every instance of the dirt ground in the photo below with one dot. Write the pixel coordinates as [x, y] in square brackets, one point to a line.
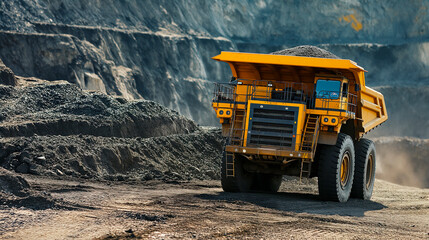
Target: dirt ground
[200, 209]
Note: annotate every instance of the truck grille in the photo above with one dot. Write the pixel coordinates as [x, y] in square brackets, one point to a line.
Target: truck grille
[272, 125]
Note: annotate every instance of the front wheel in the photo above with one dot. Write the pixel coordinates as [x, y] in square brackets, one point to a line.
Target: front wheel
[229, 184]
[267, 182]
[242, 180]
[336, 169]
[363, 183]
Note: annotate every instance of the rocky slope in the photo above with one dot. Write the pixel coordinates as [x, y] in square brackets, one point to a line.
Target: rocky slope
[57, 129]
[7, 77]
[64, 109]
[15, 191]
[172, 157]
[161, 51]
[408, 112]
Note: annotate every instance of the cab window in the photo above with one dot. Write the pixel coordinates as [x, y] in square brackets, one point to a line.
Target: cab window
[345, 89]
[329, 89]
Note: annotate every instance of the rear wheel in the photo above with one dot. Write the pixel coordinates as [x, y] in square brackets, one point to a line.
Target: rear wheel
[363, 183]
[336, 169]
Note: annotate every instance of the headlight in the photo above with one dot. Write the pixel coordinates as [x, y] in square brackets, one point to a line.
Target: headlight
[330, 121]
[224, 113]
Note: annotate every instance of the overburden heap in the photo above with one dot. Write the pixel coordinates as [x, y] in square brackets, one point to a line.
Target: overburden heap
[57, 129]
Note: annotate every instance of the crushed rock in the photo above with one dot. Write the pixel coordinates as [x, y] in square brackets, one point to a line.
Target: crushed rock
[57, 129]
[174, 157]
[16, 192]
[306, 51]
[64, 109]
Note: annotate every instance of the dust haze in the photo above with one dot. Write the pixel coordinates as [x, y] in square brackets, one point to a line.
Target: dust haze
[403, 161]
[402, 142]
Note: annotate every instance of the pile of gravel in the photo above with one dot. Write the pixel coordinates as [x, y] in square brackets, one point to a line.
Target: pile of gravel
[174, 157]
[64, 109]
[306, 51]
[16, 192]
[56, 129]
[12, 184]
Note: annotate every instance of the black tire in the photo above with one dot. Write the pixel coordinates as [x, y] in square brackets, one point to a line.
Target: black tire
[244, 178]
[267, 182]
[242, 181]
[229, 184]
[363, 183]
[335, 184]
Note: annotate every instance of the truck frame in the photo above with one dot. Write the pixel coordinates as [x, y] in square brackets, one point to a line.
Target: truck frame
[297, 116]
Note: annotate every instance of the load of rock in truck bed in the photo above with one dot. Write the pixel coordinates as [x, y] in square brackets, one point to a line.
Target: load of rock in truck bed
[306, 51]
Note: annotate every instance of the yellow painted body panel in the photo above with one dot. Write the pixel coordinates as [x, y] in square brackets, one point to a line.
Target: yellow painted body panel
[373, 108]
[330, 113]
[217, 105]
[232, 57]
[340, 103]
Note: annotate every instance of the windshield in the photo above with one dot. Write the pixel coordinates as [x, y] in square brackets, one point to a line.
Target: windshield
[329, 89]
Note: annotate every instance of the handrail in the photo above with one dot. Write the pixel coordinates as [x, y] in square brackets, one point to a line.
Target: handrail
[267, 90]
[316, 136]
[347, 102]
[284, 92]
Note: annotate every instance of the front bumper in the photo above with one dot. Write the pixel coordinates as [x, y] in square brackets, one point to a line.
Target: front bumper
[266, 151]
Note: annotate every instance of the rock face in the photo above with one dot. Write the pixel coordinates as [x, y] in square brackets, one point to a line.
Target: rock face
[7, 77]
[161, 51]
[408, 112]
[131, 69]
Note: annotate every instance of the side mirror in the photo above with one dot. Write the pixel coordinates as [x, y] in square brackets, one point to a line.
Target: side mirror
[357, 87]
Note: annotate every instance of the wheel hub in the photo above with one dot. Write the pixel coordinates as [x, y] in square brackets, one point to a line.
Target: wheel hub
[345, 169]
[369, 171]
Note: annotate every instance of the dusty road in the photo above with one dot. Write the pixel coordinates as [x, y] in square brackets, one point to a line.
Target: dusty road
[199, 209]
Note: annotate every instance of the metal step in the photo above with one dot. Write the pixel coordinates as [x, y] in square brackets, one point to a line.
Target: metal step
[304, 170]
[230, 168]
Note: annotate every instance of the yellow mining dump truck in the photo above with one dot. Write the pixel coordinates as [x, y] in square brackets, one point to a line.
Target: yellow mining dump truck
[297, 116]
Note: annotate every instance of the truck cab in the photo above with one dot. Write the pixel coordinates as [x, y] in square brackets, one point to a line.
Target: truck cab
[331, 93]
